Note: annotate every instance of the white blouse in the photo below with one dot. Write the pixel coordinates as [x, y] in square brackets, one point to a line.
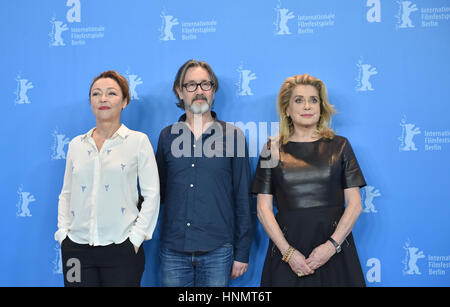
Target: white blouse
[98, 201]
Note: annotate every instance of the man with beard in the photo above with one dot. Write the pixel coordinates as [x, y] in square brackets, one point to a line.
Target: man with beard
[204, 176]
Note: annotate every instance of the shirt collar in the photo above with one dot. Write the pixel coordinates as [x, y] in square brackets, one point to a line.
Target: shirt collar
[183, 117]
[122, 132]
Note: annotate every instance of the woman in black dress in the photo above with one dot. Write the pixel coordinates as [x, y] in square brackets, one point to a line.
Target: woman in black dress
[312, 172]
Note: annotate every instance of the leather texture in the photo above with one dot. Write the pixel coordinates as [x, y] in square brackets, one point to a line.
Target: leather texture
[309, 174]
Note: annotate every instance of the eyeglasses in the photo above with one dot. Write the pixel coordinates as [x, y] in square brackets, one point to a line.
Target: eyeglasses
[204, 85]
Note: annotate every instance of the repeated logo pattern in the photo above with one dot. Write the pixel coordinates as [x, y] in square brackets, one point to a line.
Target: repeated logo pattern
[252, 47]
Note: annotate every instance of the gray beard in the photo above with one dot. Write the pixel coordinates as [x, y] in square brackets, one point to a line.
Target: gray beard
[201, 108]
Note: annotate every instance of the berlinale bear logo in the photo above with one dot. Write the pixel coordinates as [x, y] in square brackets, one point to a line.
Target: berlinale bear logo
[58, 27]
[168, 22]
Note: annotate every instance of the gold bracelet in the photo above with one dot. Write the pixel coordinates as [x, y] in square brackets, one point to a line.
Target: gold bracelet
[285, 254]
[283, 258]
[288, 254]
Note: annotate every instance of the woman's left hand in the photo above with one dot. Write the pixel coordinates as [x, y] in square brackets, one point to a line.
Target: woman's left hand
[320, 255]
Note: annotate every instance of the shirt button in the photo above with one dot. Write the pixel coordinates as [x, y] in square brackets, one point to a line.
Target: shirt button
[192, 185]
[194, 145]
[193, 164]
[188, 224]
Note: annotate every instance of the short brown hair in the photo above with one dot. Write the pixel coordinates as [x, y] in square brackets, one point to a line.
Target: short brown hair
[121, 81]
[178, 83]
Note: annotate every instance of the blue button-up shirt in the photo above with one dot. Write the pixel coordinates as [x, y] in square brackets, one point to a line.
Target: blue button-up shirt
[205, 188]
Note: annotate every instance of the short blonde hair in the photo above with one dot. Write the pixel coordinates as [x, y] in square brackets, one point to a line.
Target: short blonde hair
[284, 96]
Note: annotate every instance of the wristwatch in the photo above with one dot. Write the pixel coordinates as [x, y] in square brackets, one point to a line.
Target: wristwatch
[336, 245]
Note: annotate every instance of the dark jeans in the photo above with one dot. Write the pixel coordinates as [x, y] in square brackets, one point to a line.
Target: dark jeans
[197, 269]
[102, 266]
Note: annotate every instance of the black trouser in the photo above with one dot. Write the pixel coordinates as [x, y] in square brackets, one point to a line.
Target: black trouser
[102, 266]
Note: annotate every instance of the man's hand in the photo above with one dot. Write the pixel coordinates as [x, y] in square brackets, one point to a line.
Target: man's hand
[239, 268]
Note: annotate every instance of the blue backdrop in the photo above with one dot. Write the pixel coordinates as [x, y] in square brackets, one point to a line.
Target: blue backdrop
[385, 63]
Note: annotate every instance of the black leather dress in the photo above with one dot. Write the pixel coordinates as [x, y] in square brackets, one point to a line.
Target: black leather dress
[308, 182]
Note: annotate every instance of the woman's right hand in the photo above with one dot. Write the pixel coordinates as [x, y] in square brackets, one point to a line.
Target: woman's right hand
[297, 262]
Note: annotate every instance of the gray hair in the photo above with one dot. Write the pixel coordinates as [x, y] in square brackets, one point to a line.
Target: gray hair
[178, 83]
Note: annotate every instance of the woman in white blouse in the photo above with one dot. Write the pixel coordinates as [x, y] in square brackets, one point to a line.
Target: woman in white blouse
[100, 227]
